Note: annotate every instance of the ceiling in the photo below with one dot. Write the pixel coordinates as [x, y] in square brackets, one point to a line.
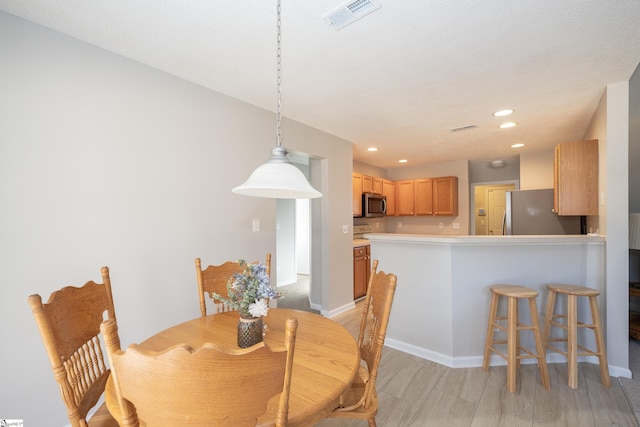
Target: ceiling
[399, 79]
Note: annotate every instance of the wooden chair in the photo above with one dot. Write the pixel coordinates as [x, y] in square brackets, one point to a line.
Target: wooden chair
[214, 279]
[69, 324]
[361, 400]
[207, 386]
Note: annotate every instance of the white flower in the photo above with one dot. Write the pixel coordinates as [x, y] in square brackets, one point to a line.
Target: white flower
[259, 308]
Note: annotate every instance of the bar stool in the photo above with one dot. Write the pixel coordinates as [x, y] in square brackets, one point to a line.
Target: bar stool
[571, 325]
[515, 351]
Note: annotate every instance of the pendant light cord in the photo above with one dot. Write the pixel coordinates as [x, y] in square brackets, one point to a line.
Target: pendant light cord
[277, 178]
[278, 81]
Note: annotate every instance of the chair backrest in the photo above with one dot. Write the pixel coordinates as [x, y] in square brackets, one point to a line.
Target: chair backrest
[201, 387]
[214, 279]
[69, 323]
[373, 327]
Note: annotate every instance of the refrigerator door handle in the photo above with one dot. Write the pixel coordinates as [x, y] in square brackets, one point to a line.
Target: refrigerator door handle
[506, 218]
[504, 223]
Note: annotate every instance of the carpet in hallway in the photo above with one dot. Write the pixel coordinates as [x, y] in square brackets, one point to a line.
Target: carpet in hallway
[296, 295]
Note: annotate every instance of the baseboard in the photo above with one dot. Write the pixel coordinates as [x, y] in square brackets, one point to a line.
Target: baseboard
[317, 307]
[495, 360]
[421, 352]
[290, 282]
[335, 311]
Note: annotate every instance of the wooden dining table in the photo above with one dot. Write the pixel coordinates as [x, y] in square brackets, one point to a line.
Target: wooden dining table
[325, 362]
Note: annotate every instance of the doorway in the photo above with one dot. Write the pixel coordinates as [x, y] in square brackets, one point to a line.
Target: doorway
[293, 247]
[488, 207]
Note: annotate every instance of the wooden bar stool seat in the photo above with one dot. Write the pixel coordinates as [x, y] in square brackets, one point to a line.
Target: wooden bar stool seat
[514, 352]
[571, 325]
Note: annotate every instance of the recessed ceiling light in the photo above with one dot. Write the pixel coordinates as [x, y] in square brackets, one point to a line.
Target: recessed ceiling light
[372, 149]
[507, 125]
[502, 113]
[402, 161]
[517, 145]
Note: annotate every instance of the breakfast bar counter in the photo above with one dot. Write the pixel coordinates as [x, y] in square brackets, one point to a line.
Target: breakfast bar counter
[441, 307]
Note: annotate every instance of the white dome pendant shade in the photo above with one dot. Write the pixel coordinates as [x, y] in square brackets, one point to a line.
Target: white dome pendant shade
[277, 179]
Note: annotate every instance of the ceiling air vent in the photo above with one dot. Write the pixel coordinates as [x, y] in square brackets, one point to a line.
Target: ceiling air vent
[350, 12]
[463, 128]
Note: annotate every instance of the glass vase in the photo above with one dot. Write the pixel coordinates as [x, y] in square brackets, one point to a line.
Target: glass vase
[249, 331]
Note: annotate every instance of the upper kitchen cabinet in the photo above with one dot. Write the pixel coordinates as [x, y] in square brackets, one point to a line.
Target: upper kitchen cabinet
[389, 191]
[576, 178]
[445, 196]
[371, 184]
[377, 185]
[405, 197]
[356, 180]
[423, 199]
[428, 196]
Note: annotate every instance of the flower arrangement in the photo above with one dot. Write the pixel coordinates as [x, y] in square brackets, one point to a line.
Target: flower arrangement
[248, 291]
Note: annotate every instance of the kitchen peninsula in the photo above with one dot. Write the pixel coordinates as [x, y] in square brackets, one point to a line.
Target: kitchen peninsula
[441, 306]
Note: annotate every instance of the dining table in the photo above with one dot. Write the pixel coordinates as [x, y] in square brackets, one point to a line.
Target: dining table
[325, 362]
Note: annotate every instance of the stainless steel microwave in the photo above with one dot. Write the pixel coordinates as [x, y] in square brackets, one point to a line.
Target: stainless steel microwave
[374, 205]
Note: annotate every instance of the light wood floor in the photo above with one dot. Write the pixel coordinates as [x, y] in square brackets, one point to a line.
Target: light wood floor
[420, 393]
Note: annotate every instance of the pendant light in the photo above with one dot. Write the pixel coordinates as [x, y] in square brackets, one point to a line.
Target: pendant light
[278, 178]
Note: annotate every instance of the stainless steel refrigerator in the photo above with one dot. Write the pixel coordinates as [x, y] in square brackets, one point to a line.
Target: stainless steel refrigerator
[531, 212]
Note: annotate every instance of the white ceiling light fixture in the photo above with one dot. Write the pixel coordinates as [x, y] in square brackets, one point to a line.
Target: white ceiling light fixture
[518, 145]
[402, 161]
[507, 125]
[278, 178]
[372, 149]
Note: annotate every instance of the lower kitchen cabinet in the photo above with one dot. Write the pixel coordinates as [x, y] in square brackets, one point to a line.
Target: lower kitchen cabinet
[634, 315]
[361, 270]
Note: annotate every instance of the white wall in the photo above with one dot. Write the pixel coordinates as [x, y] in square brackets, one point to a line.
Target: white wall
[634, 160]
[104, 161]
[303, 242]
[286, 238]
[610, 125]
[370, 170]
[634, 141]
[536, 170]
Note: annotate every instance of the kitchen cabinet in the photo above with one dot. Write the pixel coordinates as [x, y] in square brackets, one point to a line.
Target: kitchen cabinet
[405, 197]
[371, 184]
[389, 190]
[428, 196]
[377, 185]
[423, 199]
[575, 181]
[445, 196]
[356, 181]
[634, 315]
[361, 271]
[367, 184]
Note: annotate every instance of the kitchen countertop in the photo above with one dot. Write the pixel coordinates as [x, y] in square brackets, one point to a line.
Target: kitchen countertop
[485, 240]
[360, 242]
